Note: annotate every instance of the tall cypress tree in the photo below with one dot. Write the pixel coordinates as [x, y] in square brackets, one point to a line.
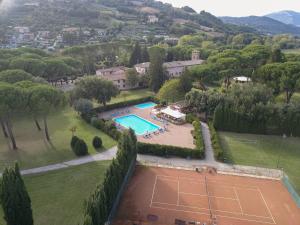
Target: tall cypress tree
[136, 55]
[156, 70]
[15, 200]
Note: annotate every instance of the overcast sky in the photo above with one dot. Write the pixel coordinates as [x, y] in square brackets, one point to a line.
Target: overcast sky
[238, 7]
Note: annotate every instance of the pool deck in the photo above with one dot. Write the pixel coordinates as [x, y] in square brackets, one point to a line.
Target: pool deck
[177, 135]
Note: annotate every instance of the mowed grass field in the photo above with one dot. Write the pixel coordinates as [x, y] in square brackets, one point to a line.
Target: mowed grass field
[129, 95]
[265, 151]
[35, 151]
[293, 51]
[58, 197]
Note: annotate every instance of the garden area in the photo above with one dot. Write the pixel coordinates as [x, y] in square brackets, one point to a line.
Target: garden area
[263, 151]
[34, 150]
[57, 197]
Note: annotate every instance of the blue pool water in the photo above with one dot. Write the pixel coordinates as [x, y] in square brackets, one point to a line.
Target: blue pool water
[139, 125]
[145, 105]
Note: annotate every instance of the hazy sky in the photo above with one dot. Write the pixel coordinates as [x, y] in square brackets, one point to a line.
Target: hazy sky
[238, 7]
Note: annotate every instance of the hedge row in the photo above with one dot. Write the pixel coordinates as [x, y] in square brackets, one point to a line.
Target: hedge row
[98, 206]
[167, 151]
[215, 141]
[107, 126]
[125, 104]
[197, 134]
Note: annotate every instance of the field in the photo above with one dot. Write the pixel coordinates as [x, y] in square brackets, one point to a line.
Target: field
[129, 95]
[294, 51]
[265, 151]
[58, 197]
[34, 151]
[170, 196]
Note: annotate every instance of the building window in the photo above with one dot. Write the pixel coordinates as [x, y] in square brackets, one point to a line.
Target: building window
[118, 81]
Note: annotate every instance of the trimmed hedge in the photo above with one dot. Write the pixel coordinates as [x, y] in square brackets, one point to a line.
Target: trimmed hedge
[80, 148]
[197, 134]
[215, 141]
[167, 151]
[125, 104]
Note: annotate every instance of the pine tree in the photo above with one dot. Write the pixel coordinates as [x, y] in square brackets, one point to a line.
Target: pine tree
[15, 200]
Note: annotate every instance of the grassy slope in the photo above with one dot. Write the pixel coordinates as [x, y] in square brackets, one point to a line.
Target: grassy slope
[35, 151]
[264, 150]
[58, 197]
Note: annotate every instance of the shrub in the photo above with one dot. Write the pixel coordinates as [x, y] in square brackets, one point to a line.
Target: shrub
[107, 126]
[80, 148]
[190, 117]
[74, 141]
[83, 106]
[218, 150]
[197, 134]
[97, 142]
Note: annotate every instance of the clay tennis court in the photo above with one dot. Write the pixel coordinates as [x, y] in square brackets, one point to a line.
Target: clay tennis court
[170, 196]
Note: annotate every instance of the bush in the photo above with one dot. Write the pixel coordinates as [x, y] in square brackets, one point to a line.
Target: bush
[80, 148]
[97, 142]
[190, 117]
[197, 134]
[166, 151]
[74, 141]
[107, 126]
[218, 150]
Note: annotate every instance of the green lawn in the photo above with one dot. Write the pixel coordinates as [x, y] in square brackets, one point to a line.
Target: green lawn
[294, 51]
[58, 196]
[264, 151]
[282, 97]
[129, 95]
[35, 151]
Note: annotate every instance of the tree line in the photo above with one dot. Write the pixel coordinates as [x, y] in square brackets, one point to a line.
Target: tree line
[100, 203]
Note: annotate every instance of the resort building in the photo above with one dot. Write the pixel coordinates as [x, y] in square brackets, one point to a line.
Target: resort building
[153, 19]
[242, 79]
[174, 69]
[117, 75]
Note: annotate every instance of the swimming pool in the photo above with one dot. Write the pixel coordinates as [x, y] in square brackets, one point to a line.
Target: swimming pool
[145, 105]
[138, 124]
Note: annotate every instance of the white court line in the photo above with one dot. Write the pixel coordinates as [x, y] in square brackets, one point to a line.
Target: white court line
[153, 191]
[209, 180]
[211, 196]
[267, 206]
[178, 193]
[238, 199]
[201, 213]
[198, 208]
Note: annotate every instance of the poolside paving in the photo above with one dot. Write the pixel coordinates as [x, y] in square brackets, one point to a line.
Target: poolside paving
[177, 135]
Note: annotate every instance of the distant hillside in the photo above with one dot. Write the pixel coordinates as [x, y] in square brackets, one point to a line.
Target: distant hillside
[287, 17]
[114, 18]
[263, 24]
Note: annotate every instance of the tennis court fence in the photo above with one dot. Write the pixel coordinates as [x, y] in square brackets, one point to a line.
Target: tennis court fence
[222, 168]
[291, 188]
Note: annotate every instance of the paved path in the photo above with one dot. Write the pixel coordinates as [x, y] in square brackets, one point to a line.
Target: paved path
[107, 155]
[209, 152]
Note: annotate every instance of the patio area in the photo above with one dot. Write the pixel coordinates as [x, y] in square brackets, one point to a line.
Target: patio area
[176, 135]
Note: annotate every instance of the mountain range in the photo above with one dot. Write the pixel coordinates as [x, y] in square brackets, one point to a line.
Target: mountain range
[287, 17]
[275, 23]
